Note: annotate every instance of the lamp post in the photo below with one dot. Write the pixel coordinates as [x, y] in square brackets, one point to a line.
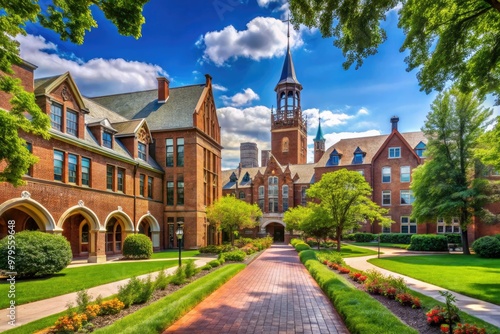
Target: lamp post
[179, 234]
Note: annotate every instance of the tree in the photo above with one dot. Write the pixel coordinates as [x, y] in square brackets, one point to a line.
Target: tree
[447, 40]
[294, 216]
[446, 185]
[488, 150]
[230, 215]
[70, 19]
[345, 196]
[312, 219]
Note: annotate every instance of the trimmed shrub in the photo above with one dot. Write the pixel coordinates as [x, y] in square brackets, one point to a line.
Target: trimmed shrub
[300, 246]
[37, 253]
[206, 267]
[364, 237]
[454, 238]
[162, 280]
[428, 242]
[137, 246]
[213, 263]
[215, 249]
[395, 238]
[237, 256]
[190, 269]
[179, 276]
[488, 247]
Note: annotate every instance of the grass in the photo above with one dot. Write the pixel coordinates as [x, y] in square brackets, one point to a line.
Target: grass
[382, 244]
[466, 274]
[157, 316]
[174, 254]
[350, 251]
[78, 278]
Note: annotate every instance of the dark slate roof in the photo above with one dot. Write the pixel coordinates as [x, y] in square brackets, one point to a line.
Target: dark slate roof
[176, 112]
[288, 72]
[97, 111]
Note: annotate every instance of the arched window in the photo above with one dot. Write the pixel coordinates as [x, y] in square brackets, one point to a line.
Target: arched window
[114, 236]
[84, 237]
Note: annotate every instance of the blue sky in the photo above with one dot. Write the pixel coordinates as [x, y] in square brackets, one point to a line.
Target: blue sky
[241, 44]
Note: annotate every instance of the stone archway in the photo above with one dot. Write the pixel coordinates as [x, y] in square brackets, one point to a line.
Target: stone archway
[118, 226]
[276, 230]
[149, 226]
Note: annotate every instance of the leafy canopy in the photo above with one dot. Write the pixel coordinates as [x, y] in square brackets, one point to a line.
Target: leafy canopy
[345, 196]
[446, 39]
[447, 185]
[230, 214]
[70, 19]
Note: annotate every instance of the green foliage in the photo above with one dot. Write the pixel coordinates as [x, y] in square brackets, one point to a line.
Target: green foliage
[300, 245]
[395, 238]
[137, 246]
[190, 269]
[237, 256]
[344, 196]
[361, 313]
[37, 254]
[446, 40]
[445, 186]
[453, 238]
[451, 311]
[136, 291]
[364, 237]
[428, 242]
[221, 258]
[230, 214]
[488, 150]
[162, 280]
[214, 263]
[179, 277]
[83, 299]
[206, 267]
[488, 247]
[70, 20]
[113, 306]
[215, 249]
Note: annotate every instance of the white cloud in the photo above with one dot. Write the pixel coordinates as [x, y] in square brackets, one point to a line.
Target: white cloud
[240, 99]
[96, 76]
[265, 37]
[219, 87]
[328, 117]
[363, 111]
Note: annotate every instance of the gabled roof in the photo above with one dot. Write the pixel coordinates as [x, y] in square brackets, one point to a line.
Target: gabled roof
[128, 128]
[177, 112]
[45, 86]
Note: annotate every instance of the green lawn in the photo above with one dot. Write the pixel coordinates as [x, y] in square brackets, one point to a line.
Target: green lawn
[174, 254]
[382, 244]
[350, 251]
[78, 278]
[466, 274]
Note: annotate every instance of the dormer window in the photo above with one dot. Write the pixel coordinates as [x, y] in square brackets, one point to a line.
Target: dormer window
[72, 123]
[56, 116]
[358, 156]
[142, 151]
[420, 149]
[233, 178]
[246, 177]
[334, 159]
[107, 139]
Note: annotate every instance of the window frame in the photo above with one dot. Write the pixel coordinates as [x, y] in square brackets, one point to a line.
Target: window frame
[56, 119]
[180, 152]
[120, 180]
[410, 197]
[401, 173]
[384, 193]
[410, 225]
[72, 168]
[385, 168]
[86, 171]
[110, 177]
[141, 151]
[180, 190]
[60, 157]
[392, 152]
[150, 186]
[71, 125]
[142, 185]
[170, 193]
[105, 142]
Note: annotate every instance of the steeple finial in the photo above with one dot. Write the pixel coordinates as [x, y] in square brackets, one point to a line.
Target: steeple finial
[319, 134]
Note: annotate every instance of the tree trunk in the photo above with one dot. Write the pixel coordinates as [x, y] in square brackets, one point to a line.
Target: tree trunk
[465, 242]
[339, 236]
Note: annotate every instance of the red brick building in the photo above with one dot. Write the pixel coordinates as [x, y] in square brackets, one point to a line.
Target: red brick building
[141, 162]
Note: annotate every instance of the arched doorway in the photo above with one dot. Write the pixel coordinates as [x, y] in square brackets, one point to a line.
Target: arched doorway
[149, 226]
[76, 229]
[277, 231]
[114, 236]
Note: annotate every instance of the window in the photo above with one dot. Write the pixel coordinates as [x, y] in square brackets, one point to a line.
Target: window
[361, 172]
[246, 177]
[150, 187]
[180, 152]
[358, 156]
[142, 184]
[120, 184]
[142, 151]
[443, 227]
[56, 116]
[407, 197]
[272, 193]
[29, 147]
[58, 165]
[386, 174]
[261, 198]
[386, 229]
[334, 159]
[170, 192]
[107, 139]
[420, 149]
[85, 172]
[242, 195]
[110, 175]
[386, 197]
[180, 190]
[170, 152]
[72, 164]
[303, 196]
[394, 152]
[405, 174]
[72, 123]
[284, 191]
[284, 145]
[408, 226]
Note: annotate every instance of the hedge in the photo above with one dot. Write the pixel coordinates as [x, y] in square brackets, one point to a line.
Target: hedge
[488, 247]
[395, 238]
[428, 242]
[137, 246]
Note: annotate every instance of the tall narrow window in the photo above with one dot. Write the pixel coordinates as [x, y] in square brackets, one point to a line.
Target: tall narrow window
[180, 190]
[72, 164]
[142, 151]
[110, 175]
[405, 174]
[56, 116]
[386, 174]
[284, 192]
[150, 187]
[29, 146]
[107, 139]
[142, 179]
[170, 192]
[180, 152]
[386, 197]
[261, 198]
[85, 172]
[72, 123]
[170, 152]
[272, 194]
[303, 196]
[120, 180]
[58, 165]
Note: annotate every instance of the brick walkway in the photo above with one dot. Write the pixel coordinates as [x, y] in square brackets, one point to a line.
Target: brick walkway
[274, 294]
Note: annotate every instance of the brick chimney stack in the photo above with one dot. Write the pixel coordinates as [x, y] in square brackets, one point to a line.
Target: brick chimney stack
[163, 89]
[394, 122]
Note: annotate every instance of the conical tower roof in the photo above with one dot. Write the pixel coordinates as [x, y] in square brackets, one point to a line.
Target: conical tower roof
[288, 73]
[319, 134]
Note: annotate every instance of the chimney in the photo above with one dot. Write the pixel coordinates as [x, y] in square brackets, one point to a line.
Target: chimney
[394, 122]
[163, 89]
[208, 80]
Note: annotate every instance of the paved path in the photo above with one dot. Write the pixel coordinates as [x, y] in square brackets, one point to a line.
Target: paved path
[478, 308]
[274, 294]
[33, 311]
